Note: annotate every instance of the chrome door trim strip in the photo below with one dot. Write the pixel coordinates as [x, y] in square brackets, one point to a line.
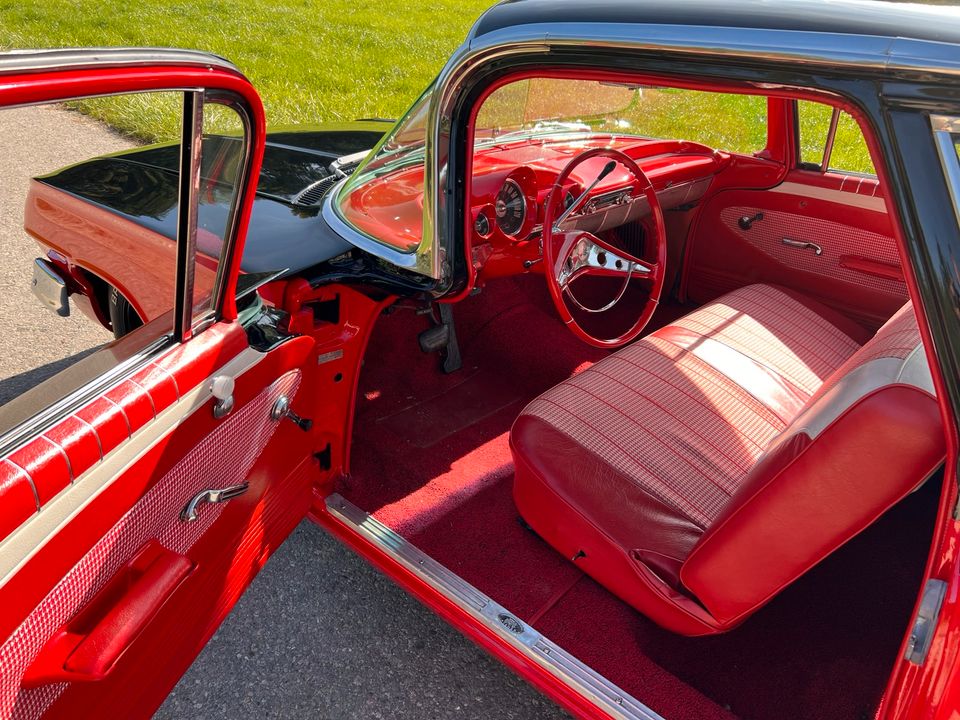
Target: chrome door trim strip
[69, 404]
[188, 210]
[24, 542]
[230, 238]
[494, 617]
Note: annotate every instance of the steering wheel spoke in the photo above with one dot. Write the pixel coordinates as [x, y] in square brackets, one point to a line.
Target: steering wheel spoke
[572, 254]
[587, 255]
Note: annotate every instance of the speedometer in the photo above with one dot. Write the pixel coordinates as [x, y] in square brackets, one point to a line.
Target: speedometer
[510, 208]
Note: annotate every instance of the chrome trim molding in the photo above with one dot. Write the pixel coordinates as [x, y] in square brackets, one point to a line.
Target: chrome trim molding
[421, 261]
[21, 61]
[81, 396]
[944, 129]
[188, 202]
[229, 100]
[756, 46]
[496, 618]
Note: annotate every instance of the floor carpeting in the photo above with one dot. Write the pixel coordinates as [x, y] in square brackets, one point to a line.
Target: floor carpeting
[431, 461]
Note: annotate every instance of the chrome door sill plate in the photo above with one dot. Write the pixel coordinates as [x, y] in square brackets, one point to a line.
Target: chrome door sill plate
[494, 616]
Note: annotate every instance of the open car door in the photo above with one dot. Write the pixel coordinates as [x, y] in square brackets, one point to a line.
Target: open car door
[143, 487]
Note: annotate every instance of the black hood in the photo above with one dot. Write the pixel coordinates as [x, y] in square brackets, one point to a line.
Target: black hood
[141, 185]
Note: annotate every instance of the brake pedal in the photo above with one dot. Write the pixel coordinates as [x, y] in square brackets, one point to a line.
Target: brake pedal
[442, 338]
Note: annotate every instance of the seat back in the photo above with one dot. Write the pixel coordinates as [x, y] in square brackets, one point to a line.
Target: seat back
[869, 436]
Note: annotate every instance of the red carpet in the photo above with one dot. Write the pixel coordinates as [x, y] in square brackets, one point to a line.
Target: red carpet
[432, 462]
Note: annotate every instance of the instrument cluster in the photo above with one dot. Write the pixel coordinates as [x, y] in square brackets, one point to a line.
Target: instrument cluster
[514, 209]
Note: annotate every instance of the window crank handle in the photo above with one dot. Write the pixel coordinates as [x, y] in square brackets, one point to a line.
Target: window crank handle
[281, 409]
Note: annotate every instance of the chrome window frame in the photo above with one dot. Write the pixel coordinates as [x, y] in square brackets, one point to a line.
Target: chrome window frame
[188, 205]
[863, 53]
[945, 129]
[218, 297]
[185, 325]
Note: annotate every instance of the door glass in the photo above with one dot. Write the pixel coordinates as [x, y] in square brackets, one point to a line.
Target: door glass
[222, 151]
[88, 218]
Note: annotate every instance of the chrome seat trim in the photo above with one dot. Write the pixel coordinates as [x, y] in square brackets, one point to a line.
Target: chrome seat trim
[491, 614]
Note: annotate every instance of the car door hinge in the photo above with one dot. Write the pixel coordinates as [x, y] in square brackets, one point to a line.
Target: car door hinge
[921, 635]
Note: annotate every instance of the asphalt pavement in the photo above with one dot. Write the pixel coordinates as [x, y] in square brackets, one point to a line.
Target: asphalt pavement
[37, 343]
[319, 634]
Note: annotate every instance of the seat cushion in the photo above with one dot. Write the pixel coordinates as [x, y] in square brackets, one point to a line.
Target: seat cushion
[625, 465]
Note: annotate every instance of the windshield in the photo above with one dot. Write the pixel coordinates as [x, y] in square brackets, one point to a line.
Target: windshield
[554, 106]
[523, 109]
[383, 200]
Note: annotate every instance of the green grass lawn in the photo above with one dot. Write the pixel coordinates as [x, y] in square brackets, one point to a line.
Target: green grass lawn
[338, 60]
[311, 60]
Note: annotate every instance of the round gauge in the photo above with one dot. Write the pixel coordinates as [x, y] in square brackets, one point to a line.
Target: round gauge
[482, 224]
[510, 208]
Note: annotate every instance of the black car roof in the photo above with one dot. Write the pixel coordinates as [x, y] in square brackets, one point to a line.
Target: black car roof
[878, 18]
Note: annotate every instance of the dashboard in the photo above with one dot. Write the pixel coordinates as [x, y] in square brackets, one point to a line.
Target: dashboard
[511, 182]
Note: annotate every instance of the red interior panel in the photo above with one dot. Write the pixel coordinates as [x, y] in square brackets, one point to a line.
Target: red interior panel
[79, 443]
[17, 499]
[45, 464]
[135, 403]
[218, 460]
[858, 270]
[160, 384]
[68, 587]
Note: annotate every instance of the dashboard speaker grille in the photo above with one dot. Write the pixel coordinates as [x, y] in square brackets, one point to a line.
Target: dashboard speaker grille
[633, 238]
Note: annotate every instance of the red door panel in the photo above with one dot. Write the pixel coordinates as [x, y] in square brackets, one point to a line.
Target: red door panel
[857, 270]
[109, 587]
[64, 575]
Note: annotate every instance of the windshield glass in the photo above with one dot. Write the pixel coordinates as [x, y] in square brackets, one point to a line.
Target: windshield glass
[384, 198]
[518, 110]
[549, 105]
[399, 148]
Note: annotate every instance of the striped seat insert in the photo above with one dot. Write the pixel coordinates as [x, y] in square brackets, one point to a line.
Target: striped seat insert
[686, 412]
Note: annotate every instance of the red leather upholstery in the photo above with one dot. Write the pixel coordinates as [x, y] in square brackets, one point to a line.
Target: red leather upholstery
[698, 471]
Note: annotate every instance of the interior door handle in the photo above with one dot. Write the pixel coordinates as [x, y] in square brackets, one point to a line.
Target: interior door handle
[190, 511]
[803, 245]
[88, 646]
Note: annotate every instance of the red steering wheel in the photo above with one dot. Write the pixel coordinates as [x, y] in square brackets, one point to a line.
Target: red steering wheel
[570, 255]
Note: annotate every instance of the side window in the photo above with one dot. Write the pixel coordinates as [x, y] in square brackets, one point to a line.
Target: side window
[834, 137]
[221, 160]
[89, 221]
